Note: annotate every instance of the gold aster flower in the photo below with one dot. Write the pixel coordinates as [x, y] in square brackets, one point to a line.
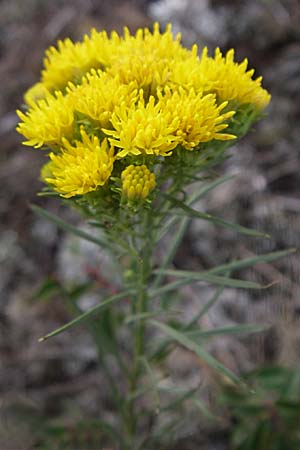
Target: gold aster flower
[232, 81]
[48, 121]
[70, 61]
[143, 129]
[199, 118]
[80, 168]
[37, 92]
[137, 182]
[146, 57]
[99, 94]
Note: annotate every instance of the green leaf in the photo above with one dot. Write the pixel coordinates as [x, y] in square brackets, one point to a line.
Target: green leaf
[68, 227]
[234, 265]
[90, 312]
[48, 288]
[148, 315]
[185, 394]
[204, 410]
[215, 220]
[208, 187]
[206, 307]
[153, 384]
[194, 277]
[191, 200]
[237, 329]
[249, 262]
[188, 343]
[172, 249]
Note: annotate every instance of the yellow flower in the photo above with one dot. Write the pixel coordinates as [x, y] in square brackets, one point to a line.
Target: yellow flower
[99, 94]
[199, 118]
[137, 182]
[146, 58]
[47, 121]
[80, 168]
[143, 129]
[232, 81]
[35, 93]
[70, 61]
[186, 73]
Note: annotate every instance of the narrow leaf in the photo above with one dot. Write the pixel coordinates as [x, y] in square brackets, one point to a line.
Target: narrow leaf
[92, 311]
[237, 329]
[191, 200]
[248, 262]
[208, 187]
[205, 278]
[206, 307]
[188, 343]
[173, 247]
[215, 220]
[68, 227]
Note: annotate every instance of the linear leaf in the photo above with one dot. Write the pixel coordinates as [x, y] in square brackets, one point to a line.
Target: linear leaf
[68, 227]
[236, 329]
[92, 311]
[202, 277]
[191, 200]
[248, 262]
[208, 187]
[149, 315]
[188, 343]
[172, 249]
[215, 220]
[206, 307]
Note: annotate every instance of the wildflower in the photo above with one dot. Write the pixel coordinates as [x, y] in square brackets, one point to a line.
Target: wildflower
[137, 96]
[232, 81]
[48, 121]
[143, 129]
[199, 118]
[99, 94]
[137, 182]
[80, 168]
[146, 58]
[70, 61]
[35, 93]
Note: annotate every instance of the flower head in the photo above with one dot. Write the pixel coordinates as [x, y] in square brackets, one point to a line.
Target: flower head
[137, 182]
[146, 58]
[48, 121]
[98, 95]
[198, 118]
[232, 81]
[70, 61]
[80, 168]
[144, 128]
[134, 99]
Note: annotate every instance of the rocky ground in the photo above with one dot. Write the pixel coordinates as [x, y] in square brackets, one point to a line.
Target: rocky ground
[60, 378]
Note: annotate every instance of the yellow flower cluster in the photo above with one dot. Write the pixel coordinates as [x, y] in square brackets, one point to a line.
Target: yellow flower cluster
[131, 99]
[137, 182]
[80, 168]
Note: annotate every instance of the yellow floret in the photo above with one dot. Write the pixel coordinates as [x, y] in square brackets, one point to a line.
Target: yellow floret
[199, 118]
[99, 94]
[186, 73]
[47, 121]
[147, 57]
[35, 93]
[232, 81]
[137, 182]
[143, 129]
[70, 61]
[80, 168]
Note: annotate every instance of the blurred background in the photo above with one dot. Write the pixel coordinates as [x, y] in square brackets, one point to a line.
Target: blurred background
[59, 380]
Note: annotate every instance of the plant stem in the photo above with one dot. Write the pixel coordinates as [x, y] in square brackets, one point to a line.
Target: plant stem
[140, 306]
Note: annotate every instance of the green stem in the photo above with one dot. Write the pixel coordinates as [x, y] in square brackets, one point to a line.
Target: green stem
[140, 306]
